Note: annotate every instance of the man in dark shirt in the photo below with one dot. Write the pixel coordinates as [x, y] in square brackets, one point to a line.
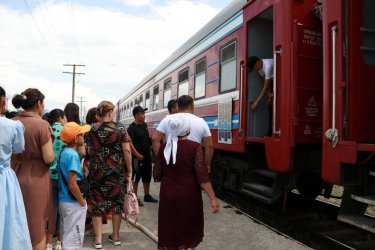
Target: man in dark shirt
[141, 151]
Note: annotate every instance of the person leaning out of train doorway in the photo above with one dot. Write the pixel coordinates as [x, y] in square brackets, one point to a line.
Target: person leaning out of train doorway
[264, 67]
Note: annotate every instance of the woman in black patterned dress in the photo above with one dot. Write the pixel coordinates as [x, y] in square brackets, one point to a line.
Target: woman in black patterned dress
[110, 167]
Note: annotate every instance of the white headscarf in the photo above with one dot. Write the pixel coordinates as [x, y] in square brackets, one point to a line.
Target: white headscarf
[177, 125]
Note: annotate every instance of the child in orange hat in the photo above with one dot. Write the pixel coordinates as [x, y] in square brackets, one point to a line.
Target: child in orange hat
[72, 203]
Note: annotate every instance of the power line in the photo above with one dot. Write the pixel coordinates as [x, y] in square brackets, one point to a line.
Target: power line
[49, 23]
[71, 24]
[74, 73]
[40, 32]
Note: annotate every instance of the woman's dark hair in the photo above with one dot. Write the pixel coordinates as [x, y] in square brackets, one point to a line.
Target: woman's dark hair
[11, 114]
[72, 113]
[54, 116]
[27, 99]
[91, 116]
[2, 92]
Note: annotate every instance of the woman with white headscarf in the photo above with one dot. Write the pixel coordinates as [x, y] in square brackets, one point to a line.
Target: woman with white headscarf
[181, 169]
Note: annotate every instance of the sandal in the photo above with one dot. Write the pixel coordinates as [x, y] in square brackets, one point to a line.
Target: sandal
[97, 245]
[114, 242]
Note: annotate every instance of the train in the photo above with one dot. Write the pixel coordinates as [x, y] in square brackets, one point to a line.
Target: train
[319, 130]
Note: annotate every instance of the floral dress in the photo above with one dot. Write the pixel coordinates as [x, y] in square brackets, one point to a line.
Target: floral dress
[107, 167]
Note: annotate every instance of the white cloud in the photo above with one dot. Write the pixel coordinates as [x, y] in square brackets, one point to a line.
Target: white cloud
[119, 49]
[137, 3]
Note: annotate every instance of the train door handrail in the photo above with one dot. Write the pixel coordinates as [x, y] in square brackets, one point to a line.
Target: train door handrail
[275, 53]
[240, 130]
[332, 133]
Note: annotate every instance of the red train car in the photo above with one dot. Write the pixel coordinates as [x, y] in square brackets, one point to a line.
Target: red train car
[261, 157]
[348, 115]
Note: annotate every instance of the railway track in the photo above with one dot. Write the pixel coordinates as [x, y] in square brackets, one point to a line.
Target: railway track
[311, 222]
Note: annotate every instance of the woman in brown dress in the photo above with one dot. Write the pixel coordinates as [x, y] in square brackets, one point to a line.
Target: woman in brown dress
[110, 167]
[180, 167]
[32, 166]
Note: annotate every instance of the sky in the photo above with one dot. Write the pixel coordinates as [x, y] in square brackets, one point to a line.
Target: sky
[119, 41]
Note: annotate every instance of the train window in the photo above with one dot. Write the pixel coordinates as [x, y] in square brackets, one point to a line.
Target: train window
[136, 102]
[228, 63]
[141, 100]
[147, 105]
[200, 79]
[167, 92]
[183, 83]
[128, 110]
[156, 99]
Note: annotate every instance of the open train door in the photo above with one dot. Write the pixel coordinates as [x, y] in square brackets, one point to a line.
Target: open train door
[268, 27]
[297, 88]
[278, 144]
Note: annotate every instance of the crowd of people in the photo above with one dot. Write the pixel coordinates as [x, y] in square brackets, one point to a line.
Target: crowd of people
[57, 175]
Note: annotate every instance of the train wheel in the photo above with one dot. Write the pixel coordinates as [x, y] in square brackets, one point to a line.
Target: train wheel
[310, 185]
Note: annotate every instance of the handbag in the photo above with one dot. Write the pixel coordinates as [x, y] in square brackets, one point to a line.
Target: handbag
[131, 206]
[84, 185]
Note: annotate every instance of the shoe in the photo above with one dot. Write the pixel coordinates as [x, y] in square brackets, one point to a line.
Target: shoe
[140, 203]
[149, 198]
[97, 246]
[58, 245]
[114, 242]
[49, 247]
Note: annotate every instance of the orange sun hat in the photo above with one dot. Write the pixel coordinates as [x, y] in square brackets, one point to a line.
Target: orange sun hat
[71, 130]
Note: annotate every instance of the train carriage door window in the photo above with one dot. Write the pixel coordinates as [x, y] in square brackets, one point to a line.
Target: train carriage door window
[200, 79]
[183, 83]
[167, 92]
[147, 104]
[228, 63]
[156, 99]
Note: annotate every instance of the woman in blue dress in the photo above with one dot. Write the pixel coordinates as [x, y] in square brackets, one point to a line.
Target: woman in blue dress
[14, 232]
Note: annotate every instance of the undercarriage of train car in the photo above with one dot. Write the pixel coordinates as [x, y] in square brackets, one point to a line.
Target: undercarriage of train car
[248, 174]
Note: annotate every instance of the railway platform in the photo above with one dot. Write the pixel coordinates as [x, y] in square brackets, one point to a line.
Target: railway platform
[228, 230]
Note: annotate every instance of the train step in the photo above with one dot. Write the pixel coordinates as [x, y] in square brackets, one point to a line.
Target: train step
[259, 197]
[361, 221]
[370, 199]
[259, 188]
[266, 173]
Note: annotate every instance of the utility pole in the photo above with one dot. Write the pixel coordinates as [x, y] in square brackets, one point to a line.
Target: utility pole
[74, 73]
[81, 100]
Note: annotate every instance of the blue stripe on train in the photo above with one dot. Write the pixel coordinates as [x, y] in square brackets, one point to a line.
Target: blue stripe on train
[212, 122]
